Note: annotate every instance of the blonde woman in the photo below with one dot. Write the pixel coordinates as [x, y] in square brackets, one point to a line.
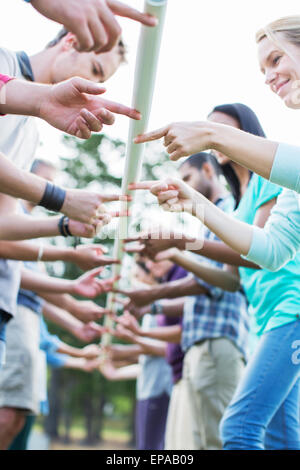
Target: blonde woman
[279, 241]
[264, 414]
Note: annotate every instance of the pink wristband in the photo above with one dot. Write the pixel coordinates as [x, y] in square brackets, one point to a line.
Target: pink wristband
[3, 80]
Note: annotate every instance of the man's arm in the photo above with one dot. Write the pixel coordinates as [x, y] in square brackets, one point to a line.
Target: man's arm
[86, 285]
[84, 332]
[72, 106]
[79, 204]
[169, 290]
[84, 310]
[85, 257]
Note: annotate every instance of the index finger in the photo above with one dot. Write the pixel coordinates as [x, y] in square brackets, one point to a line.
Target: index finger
[119, 108]
[149, 136]
[115, 197]
[126, 11]
[141, 185]
[95, 272]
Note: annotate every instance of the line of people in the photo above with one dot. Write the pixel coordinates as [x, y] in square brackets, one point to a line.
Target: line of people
[256, 408]
[61, 84]
[233, 305]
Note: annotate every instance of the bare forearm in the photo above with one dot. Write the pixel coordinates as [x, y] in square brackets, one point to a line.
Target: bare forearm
[214, 276]
[169, 334]
[255, 153]
[23, 97]
[19, 183]
[124, 373]
[218, 251]
[25, 251]
[70, 350]
[43, 283]
[61, 317]
[233, 232]
[22, 227]
[63, 301]
[126, 352]
[152, 348]
[180, 288]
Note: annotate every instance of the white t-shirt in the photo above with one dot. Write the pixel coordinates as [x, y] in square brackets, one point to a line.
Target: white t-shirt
[18, 141]
[19, 136]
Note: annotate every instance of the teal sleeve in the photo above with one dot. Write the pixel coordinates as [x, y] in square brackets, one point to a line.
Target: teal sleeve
[278, 242]
[286, 167]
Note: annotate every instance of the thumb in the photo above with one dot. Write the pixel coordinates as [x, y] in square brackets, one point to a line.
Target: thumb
[86, 86]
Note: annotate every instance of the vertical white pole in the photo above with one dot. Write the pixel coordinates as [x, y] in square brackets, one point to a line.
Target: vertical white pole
[144, 83]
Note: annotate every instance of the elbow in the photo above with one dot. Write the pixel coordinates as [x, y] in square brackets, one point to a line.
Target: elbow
[234, 286]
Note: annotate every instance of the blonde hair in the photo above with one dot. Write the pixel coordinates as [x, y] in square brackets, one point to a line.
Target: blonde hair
[289, 26]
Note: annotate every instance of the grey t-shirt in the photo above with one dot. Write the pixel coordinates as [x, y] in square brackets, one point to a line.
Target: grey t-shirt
[18, 141]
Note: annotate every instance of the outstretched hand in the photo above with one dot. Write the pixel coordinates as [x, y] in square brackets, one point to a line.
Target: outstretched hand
[74, 106]
[172, 194]
[181, 139]
[92, 21]
[151, 243]
[89, 286]
[87, 257]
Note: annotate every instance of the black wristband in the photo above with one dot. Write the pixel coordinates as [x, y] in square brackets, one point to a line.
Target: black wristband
[66, 226]
[53, 198]
[61, 227]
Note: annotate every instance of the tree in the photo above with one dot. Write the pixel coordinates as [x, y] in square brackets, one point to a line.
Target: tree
[96, 164]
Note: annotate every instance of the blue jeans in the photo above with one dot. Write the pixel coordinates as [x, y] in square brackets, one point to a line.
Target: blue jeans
[3, 321]
[264, 412]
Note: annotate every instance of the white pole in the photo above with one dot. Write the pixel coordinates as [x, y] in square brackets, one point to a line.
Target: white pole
[144, 83]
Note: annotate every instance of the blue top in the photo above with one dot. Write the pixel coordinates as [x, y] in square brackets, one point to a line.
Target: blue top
[26, 297]
[218, 314]
[274, 298]
[279, 241]
[155, 377]
[286, 167]
[48, 342]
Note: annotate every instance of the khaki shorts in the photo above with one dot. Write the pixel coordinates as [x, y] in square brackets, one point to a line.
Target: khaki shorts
[212, 371]
[19, 377]
[179, 430]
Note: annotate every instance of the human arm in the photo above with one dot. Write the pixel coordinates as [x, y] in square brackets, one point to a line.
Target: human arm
[214, 276]
[72, 106]
[151, 347]
[169, 334]
[124, 373]
[86, 285]
[85, 332]
[84, 310]
[176, 196]
[167, 290]
[280, 163]
[91, 351]
[279, 241]
[92, 21]
[86, 257]
[79, 205]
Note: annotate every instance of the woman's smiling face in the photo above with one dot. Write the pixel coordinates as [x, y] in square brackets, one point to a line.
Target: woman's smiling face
[281, 67]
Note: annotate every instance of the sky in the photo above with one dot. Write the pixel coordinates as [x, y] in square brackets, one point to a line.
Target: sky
[208, 56]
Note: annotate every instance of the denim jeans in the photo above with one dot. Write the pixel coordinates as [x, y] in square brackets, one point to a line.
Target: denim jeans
[264, 412]
[3, 321]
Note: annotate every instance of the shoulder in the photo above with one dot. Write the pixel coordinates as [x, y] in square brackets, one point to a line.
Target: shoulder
[8, 62]
[263, 190]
